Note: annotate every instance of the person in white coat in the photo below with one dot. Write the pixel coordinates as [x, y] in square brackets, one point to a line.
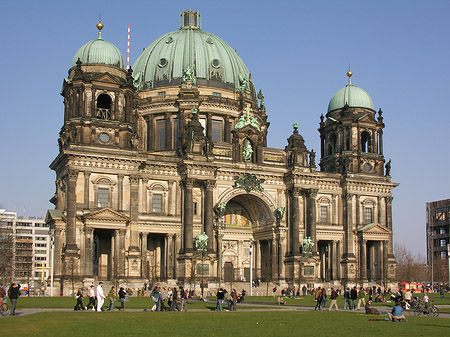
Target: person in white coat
[100, 297]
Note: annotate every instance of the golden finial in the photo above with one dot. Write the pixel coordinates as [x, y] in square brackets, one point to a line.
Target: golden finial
[99, 27]
[349, 74]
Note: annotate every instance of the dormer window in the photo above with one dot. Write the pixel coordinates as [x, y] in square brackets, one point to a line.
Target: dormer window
[104, 107]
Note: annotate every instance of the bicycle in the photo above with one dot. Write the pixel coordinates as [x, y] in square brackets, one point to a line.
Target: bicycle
[4, 310]
[425, 309]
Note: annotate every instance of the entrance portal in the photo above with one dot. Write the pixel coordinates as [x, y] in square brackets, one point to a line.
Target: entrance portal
[102, 254]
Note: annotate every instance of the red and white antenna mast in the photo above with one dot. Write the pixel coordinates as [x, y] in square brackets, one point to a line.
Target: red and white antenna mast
[128, 48]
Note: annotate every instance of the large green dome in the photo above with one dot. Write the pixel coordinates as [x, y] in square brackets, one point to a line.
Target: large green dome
[353, 96]
[214, 62]
[99, 51]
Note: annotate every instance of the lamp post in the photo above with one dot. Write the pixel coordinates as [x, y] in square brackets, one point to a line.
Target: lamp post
[448, 257]
[51, 261]
[219, 227]
[201, 243]
[251, 267]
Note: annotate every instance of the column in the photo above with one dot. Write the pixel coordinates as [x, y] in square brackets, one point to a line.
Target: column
[174, 255]
[166, 256]
[120, 192]
[171, 197]
[274, 249]
[312, 218]
[144, 271]
[257, 264]
[209, 186]
[330, 264]
[348, 225]
[280, 258]
[363, 262]
[170, 260]
[149, 120]
[169, 127]
[384, 275]
[389, 223]
[380, 212]
[380, 142]
[88, 262]
[71, 243]
[227, 131]
[335, 261]
[295, 241]
[134, 202]
[144, 195]
[87, 174]
[57, 264]
[209, 126]
[188, 220]
[358, 212]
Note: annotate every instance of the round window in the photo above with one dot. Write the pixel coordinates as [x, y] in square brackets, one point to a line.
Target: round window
[367, 166]
[104, 137]
[162, 63]
[215, 63]
[169, 40]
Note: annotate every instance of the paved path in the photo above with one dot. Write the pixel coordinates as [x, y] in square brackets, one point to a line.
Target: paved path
[260, 307]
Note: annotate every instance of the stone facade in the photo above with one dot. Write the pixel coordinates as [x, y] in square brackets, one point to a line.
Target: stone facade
[141, 172]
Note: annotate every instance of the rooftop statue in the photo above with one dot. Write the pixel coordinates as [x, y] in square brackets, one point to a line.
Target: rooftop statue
[188, 76]
[248, 151]
[307, 245]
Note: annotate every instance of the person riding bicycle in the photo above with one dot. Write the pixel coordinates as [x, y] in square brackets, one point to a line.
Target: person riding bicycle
[2, 296]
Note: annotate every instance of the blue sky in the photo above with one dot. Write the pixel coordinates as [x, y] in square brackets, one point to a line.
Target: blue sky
[297, 51]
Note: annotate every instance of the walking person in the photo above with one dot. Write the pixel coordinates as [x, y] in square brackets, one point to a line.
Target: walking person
[323, 299]
[233, 298]
[174, 304]
[79, 297]
[100, 297]
[122, 295]
[227, 299]
[111, 295]
[317, 297]
[361, 298]
[347, 298]
[156, 296]
[13, 294]
[220, 294]
[183, 297]
[353, 296]
[91, 295]
[333, 298]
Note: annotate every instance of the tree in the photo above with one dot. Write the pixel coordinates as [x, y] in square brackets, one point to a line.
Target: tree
[410, 267]
[6, 254]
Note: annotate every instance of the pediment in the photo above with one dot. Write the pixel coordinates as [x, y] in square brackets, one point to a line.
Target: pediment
[248, 129]
[374, 228]
[105, 215]
[106, 77]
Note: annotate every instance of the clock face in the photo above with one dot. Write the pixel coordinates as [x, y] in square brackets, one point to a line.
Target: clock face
[367, 167]
[104, 137]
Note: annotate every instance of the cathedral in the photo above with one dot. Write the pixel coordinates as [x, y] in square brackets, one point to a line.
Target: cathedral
[164, 175]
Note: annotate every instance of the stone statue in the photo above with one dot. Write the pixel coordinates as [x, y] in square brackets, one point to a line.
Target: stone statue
[261, 97]
[248, 151]
[201, 241]
[307, 245]
[188, 76]
[388, 168]
[243, 85]
[279, 213]
[312, 159]
[219, 209]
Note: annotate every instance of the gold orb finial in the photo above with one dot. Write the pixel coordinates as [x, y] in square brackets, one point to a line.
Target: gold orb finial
[100, 27]
[349, 74]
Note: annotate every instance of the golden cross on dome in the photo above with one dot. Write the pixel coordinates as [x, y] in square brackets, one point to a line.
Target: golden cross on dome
[42, 269]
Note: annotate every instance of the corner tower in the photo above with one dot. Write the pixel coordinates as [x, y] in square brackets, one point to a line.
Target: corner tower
[352, 136]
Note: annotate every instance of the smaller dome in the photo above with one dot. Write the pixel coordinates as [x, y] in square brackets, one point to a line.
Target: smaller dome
[99, 51]
[353, 96]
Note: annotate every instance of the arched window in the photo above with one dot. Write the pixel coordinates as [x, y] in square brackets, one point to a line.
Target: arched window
[366, 142]
[332, 145]
[104, 107]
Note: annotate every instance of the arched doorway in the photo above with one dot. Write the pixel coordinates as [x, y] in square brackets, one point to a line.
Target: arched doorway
[247, 217]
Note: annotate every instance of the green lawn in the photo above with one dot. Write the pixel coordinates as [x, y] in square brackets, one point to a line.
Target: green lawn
[278, 323]
[147, 303]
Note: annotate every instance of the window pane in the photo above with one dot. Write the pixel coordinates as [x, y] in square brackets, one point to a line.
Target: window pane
[103, 197]
[324, 214]
[217, 131]
[157, 203]
[368, 215]
[161, 134]
[176, 132]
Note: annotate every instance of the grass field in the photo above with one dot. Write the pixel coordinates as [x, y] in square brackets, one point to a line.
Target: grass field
[147, 303]
[240, 323]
